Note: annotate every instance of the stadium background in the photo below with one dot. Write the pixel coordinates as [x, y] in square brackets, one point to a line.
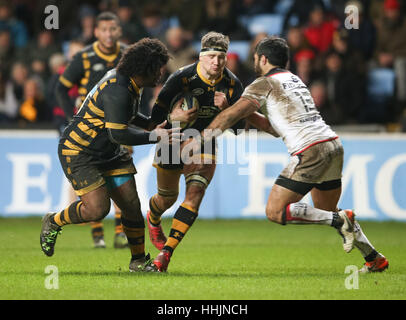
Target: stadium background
[357, 81]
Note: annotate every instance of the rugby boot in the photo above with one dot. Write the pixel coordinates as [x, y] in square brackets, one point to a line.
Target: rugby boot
[120, 241]
[379, 264]
[99, 243]
[346, 231]
[156, 234]
[142, 265]
[49, 233]
[162, 260]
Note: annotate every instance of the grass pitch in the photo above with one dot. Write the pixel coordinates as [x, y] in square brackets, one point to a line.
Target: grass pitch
[217, 260]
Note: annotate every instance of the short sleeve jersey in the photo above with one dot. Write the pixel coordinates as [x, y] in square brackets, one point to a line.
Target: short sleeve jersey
[287, 103]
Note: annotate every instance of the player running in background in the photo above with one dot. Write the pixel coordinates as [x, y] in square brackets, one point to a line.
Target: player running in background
[92, 157]
[85, 70]
[215, 88]
[316, 160]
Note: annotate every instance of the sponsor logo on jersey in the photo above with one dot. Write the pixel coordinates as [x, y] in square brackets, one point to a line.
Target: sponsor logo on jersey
[197, 91]
[98, 67]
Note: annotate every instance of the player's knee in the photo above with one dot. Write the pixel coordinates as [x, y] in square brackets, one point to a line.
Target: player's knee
[132, 210]
[165, 200]
[95, 210]
[274, 215]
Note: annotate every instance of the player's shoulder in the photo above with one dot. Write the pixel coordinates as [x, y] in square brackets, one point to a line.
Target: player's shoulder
[123, 46]
[261, 84]
[186, 71]
[183, 75]
[231, 77]
[84, 53]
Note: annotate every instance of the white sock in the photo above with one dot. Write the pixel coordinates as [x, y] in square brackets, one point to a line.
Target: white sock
[361, 241]
[302, 213]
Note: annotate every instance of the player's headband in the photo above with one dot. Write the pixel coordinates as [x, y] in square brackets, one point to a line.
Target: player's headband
[206, 51]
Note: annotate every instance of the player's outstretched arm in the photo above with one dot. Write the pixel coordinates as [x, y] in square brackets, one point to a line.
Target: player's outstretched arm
[260, 122]
[131, 136]
[243, 108]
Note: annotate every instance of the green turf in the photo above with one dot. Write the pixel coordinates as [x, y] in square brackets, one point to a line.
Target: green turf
[220, 259]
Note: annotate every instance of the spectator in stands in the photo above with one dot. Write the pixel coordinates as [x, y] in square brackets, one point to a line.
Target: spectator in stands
[299, 13]
[131, 28]
[17, 28]
[34, 107]
[391, 47]
[364, 37]
[8, 100]
[154, 21]
[344, 91]
[249, 63]
[181, 51]
[352, 58]
[7, 51]
[39, 53]
[234, 64]
[297, 43]
[330, 112]
[191, 15]
[319, 30]
[19, 75]
[221, 16]
[304, 61]
[254, 7]
[83, 30]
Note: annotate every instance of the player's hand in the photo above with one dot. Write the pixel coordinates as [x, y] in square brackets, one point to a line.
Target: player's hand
[220, 100]
[180, 115]
[167, 136]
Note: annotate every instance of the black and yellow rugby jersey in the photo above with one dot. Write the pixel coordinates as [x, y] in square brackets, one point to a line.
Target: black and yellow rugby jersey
[101, 123]
[190, 79]
[86, 69]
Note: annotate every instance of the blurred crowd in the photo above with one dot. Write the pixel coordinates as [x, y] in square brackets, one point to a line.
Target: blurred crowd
[356, 75]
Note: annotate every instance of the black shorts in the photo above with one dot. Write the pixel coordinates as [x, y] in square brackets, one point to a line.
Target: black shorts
[85, 176]
[303, 188]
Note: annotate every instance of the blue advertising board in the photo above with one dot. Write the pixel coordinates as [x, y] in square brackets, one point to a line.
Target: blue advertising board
[374, 176]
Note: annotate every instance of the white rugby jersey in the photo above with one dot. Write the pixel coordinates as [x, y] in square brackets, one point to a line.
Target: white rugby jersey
[287, 103]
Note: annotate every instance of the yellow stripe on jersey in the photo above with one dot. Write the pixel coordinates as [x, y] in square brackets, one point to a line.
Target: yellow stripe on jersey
[65, 82]
[82, 91]
[86, 64]
[67, 152]
[95, 109]
[96, 94]
[230, 92]
[96, 122]
[70, 145]
[137, 90]
[84, 128]
[118, 126]
[78, 139]
[104, 84]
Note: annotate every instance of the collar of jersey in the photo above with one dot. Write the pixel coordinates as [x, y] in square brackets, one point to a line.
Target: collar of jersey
[107, 57]
[137, 90]
[274, 71]
[205, 80]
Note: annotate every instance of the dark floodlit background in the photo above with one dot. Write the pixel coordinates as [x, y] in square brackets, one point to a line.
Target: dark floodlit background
[357, 76]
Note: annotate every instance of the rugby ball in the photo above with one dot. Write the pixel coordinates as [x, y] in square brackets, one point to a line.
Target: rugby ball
[189, 102]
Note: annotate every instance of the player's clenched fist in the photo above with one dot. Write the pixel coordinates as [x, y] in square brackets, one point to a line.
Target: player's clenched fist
[220, 100]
